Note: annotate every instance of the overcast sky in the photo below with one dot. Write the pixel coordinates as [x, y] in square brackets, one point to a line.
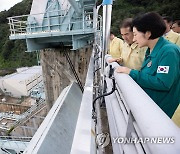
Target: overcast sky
[7, 4]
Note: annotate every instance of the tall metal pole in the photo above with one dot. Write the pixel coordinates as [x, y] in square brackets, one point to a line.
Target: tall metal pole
[107, 10]
[102, 128]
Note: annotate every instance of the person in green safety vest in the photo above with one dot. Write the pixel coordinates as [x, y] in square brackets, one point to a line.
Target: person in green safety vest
[159, 75]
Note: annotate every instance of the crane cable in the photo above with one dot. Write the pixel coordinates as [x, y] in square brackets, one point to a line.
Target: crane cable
[74, 71]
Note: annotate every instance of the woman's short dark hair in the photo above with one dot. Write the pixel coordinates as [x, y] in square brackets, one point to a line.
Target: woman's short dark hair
[152, 22]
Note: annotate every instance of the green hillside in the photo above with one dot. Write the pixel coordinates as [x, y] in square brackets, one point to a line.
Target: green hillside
[130, 8]
[12, 53]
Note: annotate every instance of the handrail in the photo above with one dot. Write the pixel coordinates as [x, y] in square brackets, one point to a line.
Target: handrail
[13, 146]
[15, 138]
[35, 14]
[147, 119]
[21, 25]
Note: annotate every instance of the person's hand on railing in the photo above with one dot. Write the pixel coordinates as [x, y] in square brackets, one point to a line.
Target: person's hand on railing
[122, 69]
[118, 60]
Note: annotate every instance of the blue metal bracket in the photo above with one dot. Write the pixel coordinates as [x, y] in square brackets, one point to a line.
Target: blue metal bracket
[56, 21]
[107, 2]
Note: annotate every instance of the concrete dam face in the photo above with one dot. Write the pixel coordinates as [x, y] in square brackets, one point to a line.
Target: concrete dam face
[57, 72]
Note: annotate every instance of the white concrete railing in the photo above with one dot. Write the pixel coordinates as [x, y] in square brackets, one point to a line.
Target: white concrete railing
[133, 114]
[84, 137]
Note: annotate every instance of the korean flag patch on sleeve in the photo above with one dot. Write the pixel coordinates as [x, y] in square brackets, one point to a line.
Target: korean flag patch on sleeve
[163, 69]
